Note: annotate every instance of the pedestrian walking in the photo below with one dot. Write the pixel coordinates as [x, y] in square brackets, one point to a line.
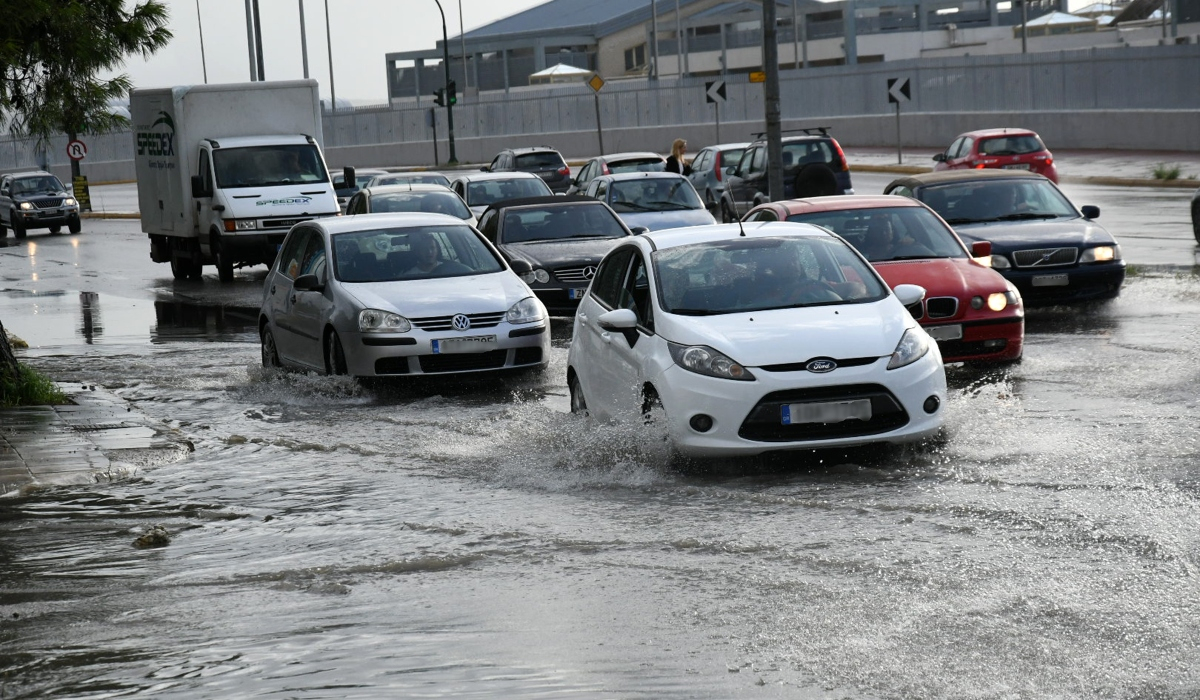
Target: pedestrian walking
[675, 162]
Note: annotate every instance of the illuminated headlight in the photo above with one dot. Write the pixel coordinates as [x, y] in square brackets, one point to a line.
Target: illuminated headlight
[702, 359]
[1103, 253]
[528, 310]
[376, 321]
[911, 348]
[997, 301]
[69, 202]
[999, 262]
[26, 206]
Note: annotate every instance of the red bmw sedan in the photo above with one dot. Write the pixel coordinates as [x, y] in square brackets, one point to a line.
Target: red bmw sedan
[1008, 149]
[975, 314]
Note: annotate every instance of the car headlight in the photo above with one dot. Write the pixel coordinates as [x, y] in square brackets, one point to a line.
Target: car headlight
[702, 359]
[69, 202]
[1102, 253]
[541, 275]
[997, 301]
[377, 321]
[912, 347]
[26, 206]
[999, 262]
[527, 310]
[247, 224]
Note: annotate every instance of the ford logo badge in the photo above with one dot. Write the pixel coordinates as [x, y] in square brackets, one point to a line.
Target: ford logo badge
[821, 366]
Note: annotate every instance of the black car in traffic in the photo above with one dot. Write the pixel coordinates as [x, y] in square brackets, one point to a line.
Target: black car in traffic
[36, 199]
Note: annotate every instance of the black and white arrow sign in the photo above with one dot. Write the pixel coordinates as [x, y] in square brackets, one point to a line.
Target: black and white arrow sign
[714, 91]
[898, 90]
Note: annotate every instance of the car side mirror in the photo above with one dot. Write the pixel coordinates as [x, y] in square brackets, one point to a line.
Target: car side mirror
[908, 294]
[348, 178]
[639, 230]
[712, 207]
[620, 320]
[198, 188]
[486, 169]
[940, 157]
[521, 267]
[981, 249]
[1090, 212]
[308, 283]
[731, 170]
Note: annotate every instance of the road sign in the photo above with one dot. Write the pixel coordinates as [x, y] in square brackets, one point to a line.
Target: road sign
[758, 76]
[595, 83]
[714, 91]
[76, 150]
[898, 90]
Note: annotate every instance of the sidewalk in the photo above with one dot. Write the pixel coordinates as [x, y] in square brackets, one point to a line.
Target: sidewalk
[97, 437]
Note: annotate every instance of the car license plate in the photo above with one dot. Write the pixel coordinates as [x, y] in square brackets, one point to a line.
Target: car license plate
[476, 343]
[950, 332]
[826, 412]
[1016, 166]
[576, 293]
[1050, 280]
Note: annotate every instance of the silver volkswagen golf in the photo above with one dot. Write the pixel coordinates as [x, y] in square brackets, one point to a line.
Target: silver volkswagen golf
[398, 294]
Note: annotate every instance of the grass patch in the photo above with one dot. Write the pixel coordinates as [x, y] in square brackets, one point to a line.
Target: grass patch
[1163, 171]
[30, 388]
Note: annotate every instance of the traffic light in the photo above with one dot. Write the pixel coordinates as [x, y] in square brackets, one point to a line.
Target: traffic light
[451, 93]
[439, 97]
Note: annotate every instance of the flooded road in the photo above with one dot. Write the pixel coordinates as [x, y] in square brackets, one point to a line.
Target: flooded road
[334, 539]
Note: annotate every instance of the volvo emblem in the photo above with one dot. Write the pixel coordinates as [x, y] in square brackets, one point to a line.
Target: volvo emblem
[821, 365]
[460, 322]
[589, 272]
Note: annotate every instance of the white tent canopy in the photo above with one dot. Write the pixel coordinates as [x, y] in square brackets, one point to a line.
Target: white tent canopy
[560, 73]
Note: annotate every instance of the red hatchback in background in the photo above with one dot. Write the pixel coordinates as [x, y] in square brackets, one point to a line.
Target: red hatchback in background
[1009, 149]
[972, 312]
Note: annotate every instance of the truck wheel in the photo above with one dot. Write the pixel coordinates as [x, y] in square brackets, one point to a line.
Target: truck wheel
[816, 180]
[180, 269]
[55, 230]
[74, 225]
[224, 262]
[17, 227]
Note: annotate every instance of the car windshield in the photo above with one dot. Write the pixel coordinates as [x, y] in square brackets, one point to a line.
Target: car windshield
[653, 194]
[401, 178]
[638, 165]
[411, 252]
[889, 233]
[558, 222]
[434, 202]
[539, 161]
[34, 185]
[981, 201]
[755, 274]
[485, 192]
[1011, 145]
[267, 166]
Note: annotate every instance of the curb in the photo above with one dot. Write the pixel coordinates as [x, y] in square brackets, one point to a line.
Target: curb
[110, 215]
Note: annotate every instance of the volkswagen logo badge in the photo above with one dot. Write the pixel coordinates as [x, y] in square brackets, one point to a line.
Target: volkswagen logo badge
[821, 365]
[589, 272]
[460, 322]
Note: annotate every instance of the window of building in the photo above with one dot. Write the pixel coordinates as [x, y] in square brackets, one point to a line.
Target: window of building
[635, 58]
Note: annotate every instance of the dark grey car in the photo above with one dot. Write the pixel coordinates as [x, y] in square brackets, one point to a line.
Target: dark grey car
[36, 199]
[543, 161]
[707, 170]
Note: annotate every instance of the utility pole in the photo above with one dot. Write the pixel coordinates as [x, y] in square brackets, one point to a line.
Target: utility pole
[200, 25]
[449, 90]
[770, 55]
[250, 41]
[329, 46]
[303, 41]
[258, 41]
[1024, 22]
[462, 42]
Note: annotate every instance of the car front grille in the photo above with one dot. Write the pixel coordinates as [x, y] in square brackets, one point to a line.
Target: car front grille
[445, 323]
[47, 203]
[764, 422]
[282, 223]
[576, 274]
[1046, 257]
[941, 307]
[802, 366]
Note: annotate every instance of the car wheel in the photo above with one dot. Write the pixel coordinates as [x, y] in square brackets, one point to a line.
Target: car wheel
[270, 354]
[652, 405]
[335, 358]
[1196, 221]
[75, 226]
[18, 228]
[55, 229]
[726, 216]
[578, 402]
[3, 231]
[224, 262]
[816, 180]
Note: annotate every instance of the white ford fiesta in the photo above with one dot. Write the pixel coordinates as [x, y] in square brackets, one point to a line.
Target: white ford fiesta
[773, 337]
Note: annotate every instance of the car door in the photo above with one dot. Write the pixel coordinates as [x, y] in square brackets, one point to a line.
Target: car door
[5, 199]
[735, 182]
[591, 351]
[310, 308]
[279, 293]
[960, 158]
[631, 349]
[756, 181]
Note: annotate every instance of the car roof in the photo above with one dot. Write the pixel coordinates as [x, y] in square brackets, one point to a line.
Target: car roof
[371, 171]
[370, 222]
[946, 176]
[531, 149]
[276, 140]
[656, 175]
[630, 155]
[542, 201]
[1011, 131]
[673, 238]
[726, 146]
[842, 203]
[505, 175]
[26, 173]
[408, 187]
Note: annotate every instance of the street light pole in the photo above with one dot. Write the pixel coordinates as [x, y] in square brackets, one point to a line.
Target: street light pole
[329, 46]
[250, 41]
[462, 42]
[303, 40]
[203, 63]
[446, 64]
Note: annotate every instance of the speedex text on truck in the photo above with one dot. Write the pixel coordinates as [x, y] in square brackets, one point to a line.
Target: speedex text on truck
[224, 171]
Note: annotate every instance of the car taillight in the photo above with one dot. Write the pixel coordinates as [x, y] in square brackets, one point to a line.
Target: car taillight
[717, 166]
[564, 170]
[604, 169]
[841, 156]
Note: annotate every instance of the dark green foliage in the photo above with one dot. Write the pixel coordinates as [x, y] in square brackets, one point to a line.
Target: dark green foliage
[29, 388]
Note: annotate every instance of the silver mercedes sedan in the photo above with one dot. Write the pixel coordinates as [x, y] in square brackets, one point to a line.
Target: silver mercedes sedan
[398, 294]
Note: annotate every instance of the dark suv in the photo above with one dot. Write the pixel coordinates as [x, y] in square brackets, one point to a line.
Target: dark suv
[813, 166]
[36, 199]
[543, 161]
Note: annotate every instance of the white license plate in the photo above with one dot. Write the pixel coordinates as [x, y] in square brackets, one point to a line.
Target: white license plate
[950, 332]
[576, 293]
[477, 343]
[826, 412]
[1016, 166]
[1050, 280]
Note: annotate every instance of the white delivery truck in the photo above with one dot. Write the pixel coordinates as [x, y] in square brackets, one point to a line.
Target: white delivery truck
[224, 171]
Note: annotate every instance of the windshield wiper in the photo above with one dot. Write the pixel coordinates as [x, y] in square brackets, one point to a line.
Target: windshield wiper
[1025, 215]
[635, 206]
[696, 312]
[963, 221]
[670, 206]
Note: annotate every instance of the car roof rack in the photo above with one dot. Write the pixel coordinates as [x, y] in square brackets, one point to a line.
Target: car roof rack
[810, 130]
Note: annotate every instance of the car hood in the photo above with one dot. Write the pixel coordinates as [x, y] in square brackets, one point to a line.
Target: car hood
[1020, 235]
[943, 277]
[472, 294]
[659, 220]
[582, 251]
[785, 336]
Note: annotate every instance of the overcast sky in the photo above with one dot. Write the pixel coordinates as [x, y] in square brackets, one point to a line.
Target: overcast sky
[364, 31]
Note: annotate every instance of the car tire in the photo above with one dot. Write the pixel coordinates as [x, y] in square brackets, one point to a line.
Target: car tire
[55, 230]
[3, 231]
[75, 226]
[815, 180]
[18, 228]
[1196, 221]
[578, 401]
[726, 216]
[335, 357]
[185, 268]
[270, 353]
[224, 263]
[651, 402]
